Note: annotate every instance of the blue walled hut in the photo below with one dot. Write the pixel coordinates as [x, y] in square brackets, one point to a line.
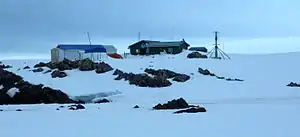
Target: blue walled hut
[80, 51]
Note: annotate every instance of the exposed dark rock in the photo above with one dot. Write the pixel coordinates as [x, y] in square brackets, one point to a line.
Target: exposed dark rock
[58, 74]
[28, 93]
[5, 99]
[118, 72]
[159, 78]
[292, 84]
[143, 80]
[41, 64]
[196, 55]
[86, 65]
[103, 67]
[19, 110]
[102, 101]
[205, 72]
[2, 66]
[1, 109]
[37, 70]
[174, 104]
[191, 110]
[76, 107]
[181, 78]
[220, 77]
[230, 79]
[26, 67]
[162, 72]
[136, 106]
[48, 71]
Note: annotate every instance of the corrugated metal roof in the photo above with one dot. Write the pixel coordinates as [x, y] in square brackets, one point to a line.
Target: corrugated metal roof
[164, 44]
[95, 50]
[78, 46]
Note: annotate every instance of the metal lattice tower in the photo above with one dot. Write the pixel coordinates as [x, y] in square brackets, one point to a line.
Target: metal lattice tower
[216, 51]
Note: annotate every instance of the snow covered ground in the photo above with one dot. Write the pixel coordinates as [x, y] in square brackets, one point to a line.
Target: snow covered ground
[260, 106]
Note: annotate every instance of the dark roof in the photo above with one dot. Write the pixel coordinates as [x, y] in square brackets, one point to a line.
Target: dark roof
[77, 46]
[142, 42]
[164, 44]
[149, 43]
[203, 49]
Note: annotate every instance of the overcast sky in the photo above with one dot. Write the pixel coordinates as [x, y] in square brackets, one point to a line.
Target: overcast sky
[37, 25]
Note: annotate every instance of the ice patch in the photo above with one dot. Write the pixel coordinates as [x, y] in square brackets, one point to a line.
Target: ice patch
[12, 92]
[95, 97]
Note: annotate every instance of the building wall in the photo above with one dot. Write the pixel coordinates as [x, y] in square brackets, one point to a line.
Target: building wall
[57, 55]
[73, 54]
[137, 50]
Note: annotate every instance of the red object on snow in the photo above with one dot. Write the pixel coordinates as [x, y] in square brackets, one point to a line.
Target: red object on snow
[115, 55]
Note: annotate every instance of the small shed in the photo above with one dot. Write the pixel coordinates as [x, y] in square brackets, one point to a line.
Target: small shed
[76, 52]
[146, 47]
[202, 49]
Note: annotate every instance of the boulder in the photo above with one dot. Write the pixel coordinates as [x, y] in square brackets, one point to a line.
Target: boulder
[26, 67]
[58, 74]
[205, 72]
[196, 55]
[86, 65]
[103, 67]
[40, 64]
[191, 110]
[37, 70]
[76, 107]
[181, 78]
[102, 101]
[174, 104]
[136, 106]
[292, 84]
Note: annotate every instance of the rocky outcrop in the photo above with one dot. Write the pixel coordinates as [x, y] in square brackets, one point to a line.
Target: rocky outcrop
[102, 67]
[82, 65]
[179, 104]
[102, 101]
[196, 55]
[152, 78]
[168, 74]
[2, 66]
[58, 74]
[293, 84]
[191, 110]
[14, 90]
[38, 70]
[76, 107]
[206, 72]
[173, 104]
[26, 67]
[143, 80]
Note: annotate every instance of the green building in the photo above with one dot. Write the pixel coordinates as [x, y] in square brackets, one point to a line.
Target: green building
[148, 47]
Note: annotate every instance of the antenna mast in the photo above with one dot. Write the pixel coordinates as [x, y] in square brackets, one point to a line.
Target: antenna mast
[216, 50]
[139, 36]
[88, 34]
